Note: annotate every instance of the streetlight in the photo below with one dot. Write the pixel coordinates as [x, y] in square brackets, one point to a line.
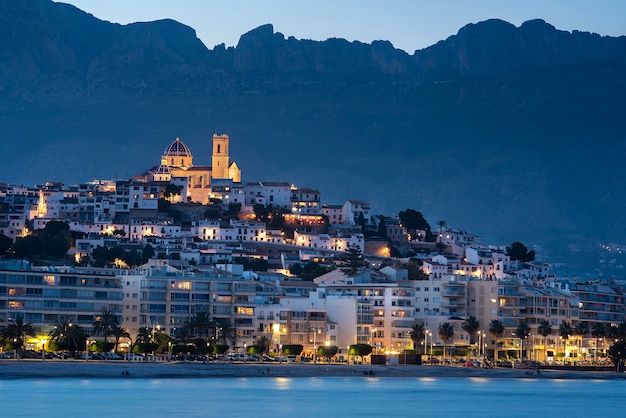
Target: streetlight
[169, 351]
[245, 350]
[372, 336]
[43, 351]
[327, 344]
[315, 331]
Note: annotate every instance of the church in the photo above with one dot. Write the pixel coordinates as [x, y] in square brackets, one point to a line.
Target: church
[177, 168]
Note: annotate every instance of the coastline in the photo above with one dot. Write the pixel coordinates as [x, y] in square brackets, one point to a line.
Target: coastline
[25, 369]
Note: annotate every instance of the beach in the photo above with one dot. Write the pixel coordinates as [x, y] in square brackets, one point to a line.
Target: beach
[14, 369]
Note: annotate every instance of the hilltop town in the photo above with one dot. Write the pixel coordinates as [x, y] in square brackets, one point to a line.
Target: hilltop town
[185, 248]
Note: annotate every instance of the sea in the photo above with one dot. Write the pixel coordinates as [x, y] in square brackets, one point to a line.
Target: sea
[344, 397]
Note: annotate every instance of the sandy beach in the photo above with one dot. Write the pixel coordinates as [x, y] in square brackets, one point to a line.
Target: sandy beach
[12, 369]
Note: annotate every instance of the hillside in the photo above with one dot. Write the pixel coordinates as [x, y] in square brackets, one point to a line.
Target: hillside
[516, 133]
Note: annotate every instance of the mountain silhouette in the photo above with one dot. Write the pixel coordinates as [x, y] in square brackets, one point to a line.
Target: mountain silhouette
[515, 133]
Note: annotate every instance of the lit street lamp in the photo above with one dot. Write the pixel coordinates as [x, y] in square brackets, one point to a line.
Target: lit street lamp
[315, 331]
[372, 336]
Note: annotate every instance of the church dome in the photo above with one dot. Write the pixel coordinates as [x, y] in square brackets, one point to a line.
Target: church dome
[177, 149]
[163, 169]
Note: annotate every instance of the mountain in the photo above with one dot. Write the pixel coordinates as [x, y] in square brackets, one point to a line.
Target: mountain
[515, 133]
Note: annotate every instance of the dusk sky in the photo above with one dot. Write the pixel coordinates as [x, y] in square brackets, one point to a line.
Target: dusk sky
[408, 24]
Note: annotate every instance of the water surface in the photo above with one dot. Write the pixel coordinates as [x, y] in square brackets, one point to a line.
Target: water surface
[343, 397]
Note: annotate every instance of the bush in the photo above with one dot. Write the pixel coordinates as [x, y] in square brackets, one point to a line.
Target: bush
[461, 352]
[219, 349]
[360, 350]
[292, 349]
[256, 349]
[101, 346]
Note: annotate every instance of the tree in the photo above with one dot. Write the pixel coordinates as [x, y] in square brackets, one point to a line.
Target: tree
[118, 332]
[200, 321]
[144, 342]
[147, 252]
[28, 246]
[441, 225]
[413, 221]
[581, 330]
[617, 354]
[522, 331]
[565, 330]
[382, 227]
[417, 334]
[360, 350]
[415, 270]
[327, 351]
[16, 332]
[226, 332]
[67, 336]
[105, 323]
[234, 209]
[446, 333]
[496, 329]
[308, 271]
[518, 252]
[351, 261]
[277, 221]
[544, 329]
[263, 341]
[6, 244]
[598, 330]
[261, 212]
[471, 326]
[172, 190]
[56, 239]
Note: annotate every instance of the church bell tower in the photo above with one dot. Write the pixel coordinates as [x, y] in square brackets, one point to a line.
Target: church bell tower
[220, 159]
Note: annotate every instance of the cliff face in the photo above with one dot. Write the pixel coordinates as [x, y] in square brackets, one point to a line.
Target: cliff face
[514, 132]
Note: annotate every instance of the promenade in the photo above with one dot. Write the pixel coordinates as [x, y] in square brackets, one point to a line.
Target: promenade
[13, 369]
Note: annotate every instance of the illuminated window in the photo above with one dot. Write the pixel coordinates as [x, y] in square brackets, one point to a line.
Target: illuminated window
[181, 285]
[241, 310]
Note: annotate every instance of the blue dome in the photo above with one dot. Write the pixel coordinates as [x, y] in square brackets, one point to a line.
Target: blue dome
[177, 149]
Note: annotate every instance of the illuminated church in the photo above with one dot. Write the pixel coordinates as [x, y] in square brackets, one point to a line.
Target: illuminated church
[195, 180]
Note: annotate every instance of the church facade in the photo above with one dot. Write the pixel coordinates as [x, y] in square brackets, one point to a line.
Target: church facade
[177, 168]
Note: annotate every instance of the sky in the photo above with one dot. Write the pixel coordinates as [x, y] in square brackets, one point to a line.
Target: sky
[407, 24]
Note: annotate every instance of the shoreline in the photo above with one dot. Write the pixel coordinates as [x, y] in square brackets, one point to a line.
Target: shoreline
[26, 369]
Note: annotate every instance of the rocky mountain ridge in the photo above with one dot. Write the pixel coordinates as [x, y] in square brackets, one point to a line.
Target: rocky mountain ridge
[514, 132]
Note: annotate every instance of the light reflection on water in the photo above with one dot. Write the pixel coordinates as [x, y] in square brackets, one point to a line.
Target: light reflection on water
[310, 397]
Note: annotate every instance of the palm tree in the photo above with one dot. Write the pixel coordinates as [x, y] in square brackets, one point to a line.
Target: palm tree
[16, 332]
[581, 329]
[105, 323]
[68, 336]
[544, 329]
[144, 337]
[565, 330]
[522, 331]
[471, 326]
[200, 321]
[496, 329]
[182, 337]
[446, 333]
[417, 334]
[265, 342]
[597, 331]
[441, 224]
[119, 332]
[227, 333]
